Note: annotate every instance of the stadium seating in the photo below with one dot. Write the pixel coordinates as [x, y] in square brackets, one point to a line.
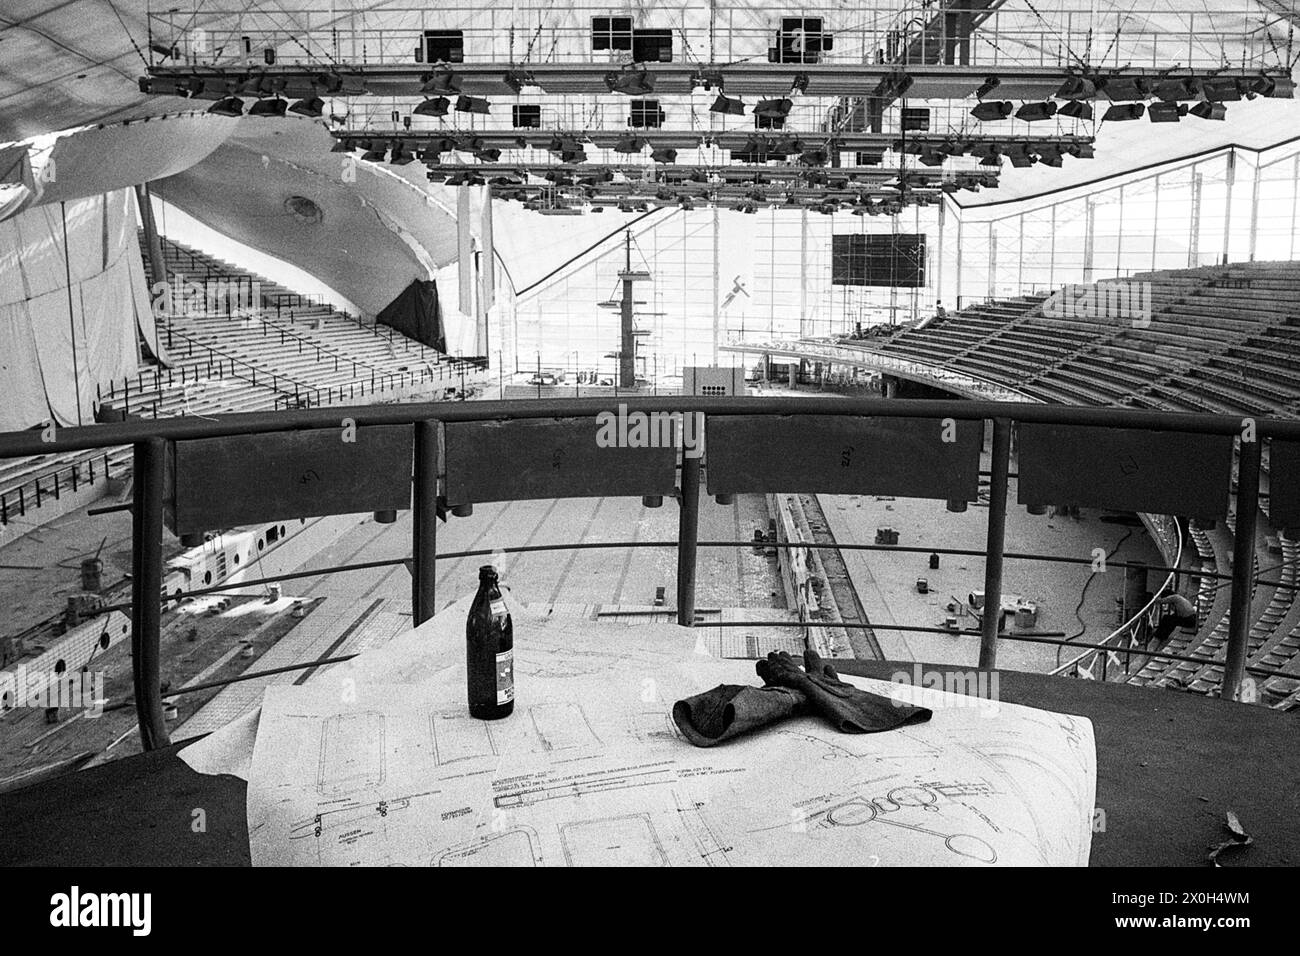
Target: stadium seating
[1218, 339]
[290, 352]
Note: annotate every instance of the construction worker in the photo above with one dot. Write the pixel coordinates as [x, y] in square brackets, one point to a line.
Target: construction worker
[1178, 611]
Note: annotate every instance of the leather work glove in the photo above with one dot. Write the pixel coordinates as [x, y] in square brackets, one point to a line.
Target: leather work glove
[730, 710]
[845, 707]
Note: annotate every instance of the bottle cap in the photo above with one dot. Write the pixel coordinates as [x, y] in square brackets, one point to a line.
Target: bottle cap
[487, 571]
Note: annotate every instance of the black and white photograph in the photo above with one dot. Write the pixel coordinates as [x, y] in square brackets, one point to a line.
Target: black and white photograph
[717, 434]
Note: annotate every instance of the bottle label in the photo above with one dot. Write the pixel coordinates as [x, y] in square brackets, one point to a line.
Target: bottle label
[498, 608]
[506, 676]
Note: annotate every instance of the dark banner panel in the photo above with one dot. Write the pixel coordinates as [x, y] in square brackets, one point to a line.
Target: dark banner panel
[231, 482]
[838, 454]
[1125, 469]
[560, 458]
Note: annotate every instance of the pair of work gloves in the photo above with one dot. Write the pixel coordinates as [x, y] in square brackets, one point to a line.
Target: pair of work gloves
[730, 710]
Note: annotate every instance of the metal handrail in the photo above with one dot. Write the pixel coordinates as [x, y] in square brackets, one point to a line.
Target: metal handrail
[149, 453]
[1133, 621]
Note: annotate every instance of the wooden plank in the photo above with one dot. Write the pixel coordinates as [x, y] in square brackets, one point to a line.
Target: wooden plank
[549, 458]
[215, 483]
[1284, 484]
[1124, 469]
[841, 454]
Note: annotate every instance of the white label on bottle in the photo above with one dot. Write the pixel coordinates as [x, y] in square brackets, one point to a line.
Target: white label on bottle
[498, 608]
[506, 676]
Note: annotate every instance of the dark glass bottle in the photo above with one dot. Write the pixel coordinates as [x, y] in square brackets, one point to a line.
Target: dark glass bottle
[490, 655]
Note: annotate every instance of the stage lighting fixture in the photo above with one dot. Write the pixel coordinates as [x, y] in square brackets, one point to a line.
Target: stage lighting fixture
[573, 156]
[165, 51]
[1077, 109]
[800, 84]
[814, 157]
[1221, 89]
[517, 80]
[1209, 111]
[988, 86]
[1281, 88]
[275, 107]
[773, 109]
[1123, 111]
[1050, 156]
[327, 83]
[487, 155]
[724, 104]
[1127, 88]
[896, 84]
[471, 104]
[1166, 112]
[994, 158]
[664, 155]
[630, 82]
[1032, 112]
[440, 81]
[932, 157]
[373, 155]
[311, 106]
[1082, 151]
[341, 146]
[786, 145]
[1171, 91]
[400, 157]
[748, 208]
[1077, 88]
[1020, 157]
[230, 106]
[627, 143]
[992, 111]
[437, 106]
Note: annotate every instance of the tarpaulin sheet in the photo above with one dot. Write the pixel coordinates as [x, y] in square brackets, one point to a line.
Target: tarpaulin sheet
[416, 315]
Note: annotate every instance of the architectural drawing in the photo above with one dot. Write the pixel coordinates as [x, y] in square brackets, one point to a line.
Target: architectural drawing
[351, 754]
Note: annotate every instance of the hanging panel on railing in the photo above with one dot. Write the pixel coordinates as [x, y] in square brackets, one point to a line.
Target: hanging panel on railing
[630, 455]
[842, 454]
[1284, 484]
[1124, 469]
[215, 483]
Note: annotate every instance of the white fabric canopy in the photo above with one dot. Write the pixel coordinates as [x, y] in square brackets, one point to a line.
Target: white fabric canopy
[72, 295]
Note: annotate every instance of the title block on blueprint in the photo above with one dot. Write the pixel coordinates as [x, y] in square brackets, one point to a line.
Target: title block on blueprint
[555, 458]
[1125, 469]
[242, 480]
[1284, 484]
[844, 455]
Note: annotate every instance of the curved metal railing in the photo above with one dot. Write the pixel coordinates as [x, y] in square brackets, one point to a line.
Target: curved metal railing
[149, 438]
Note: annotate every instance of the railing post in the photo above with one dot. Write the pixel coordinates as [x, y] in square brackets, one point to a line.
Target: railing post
[146, 590]
[688, 535]
[1243, 568]
[424, 546]
[993, 547]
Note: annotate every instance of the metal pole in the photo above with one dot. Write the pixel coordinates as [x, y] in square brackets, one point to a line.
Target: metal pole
[688, 534]
[424, 549]
[146, 590]
[1243, 568]
[993, 547]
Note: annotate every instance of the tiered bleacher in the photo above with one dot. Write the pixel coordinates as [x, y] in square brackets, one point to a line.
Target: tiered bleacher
[283, 351]
[1220, 339]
